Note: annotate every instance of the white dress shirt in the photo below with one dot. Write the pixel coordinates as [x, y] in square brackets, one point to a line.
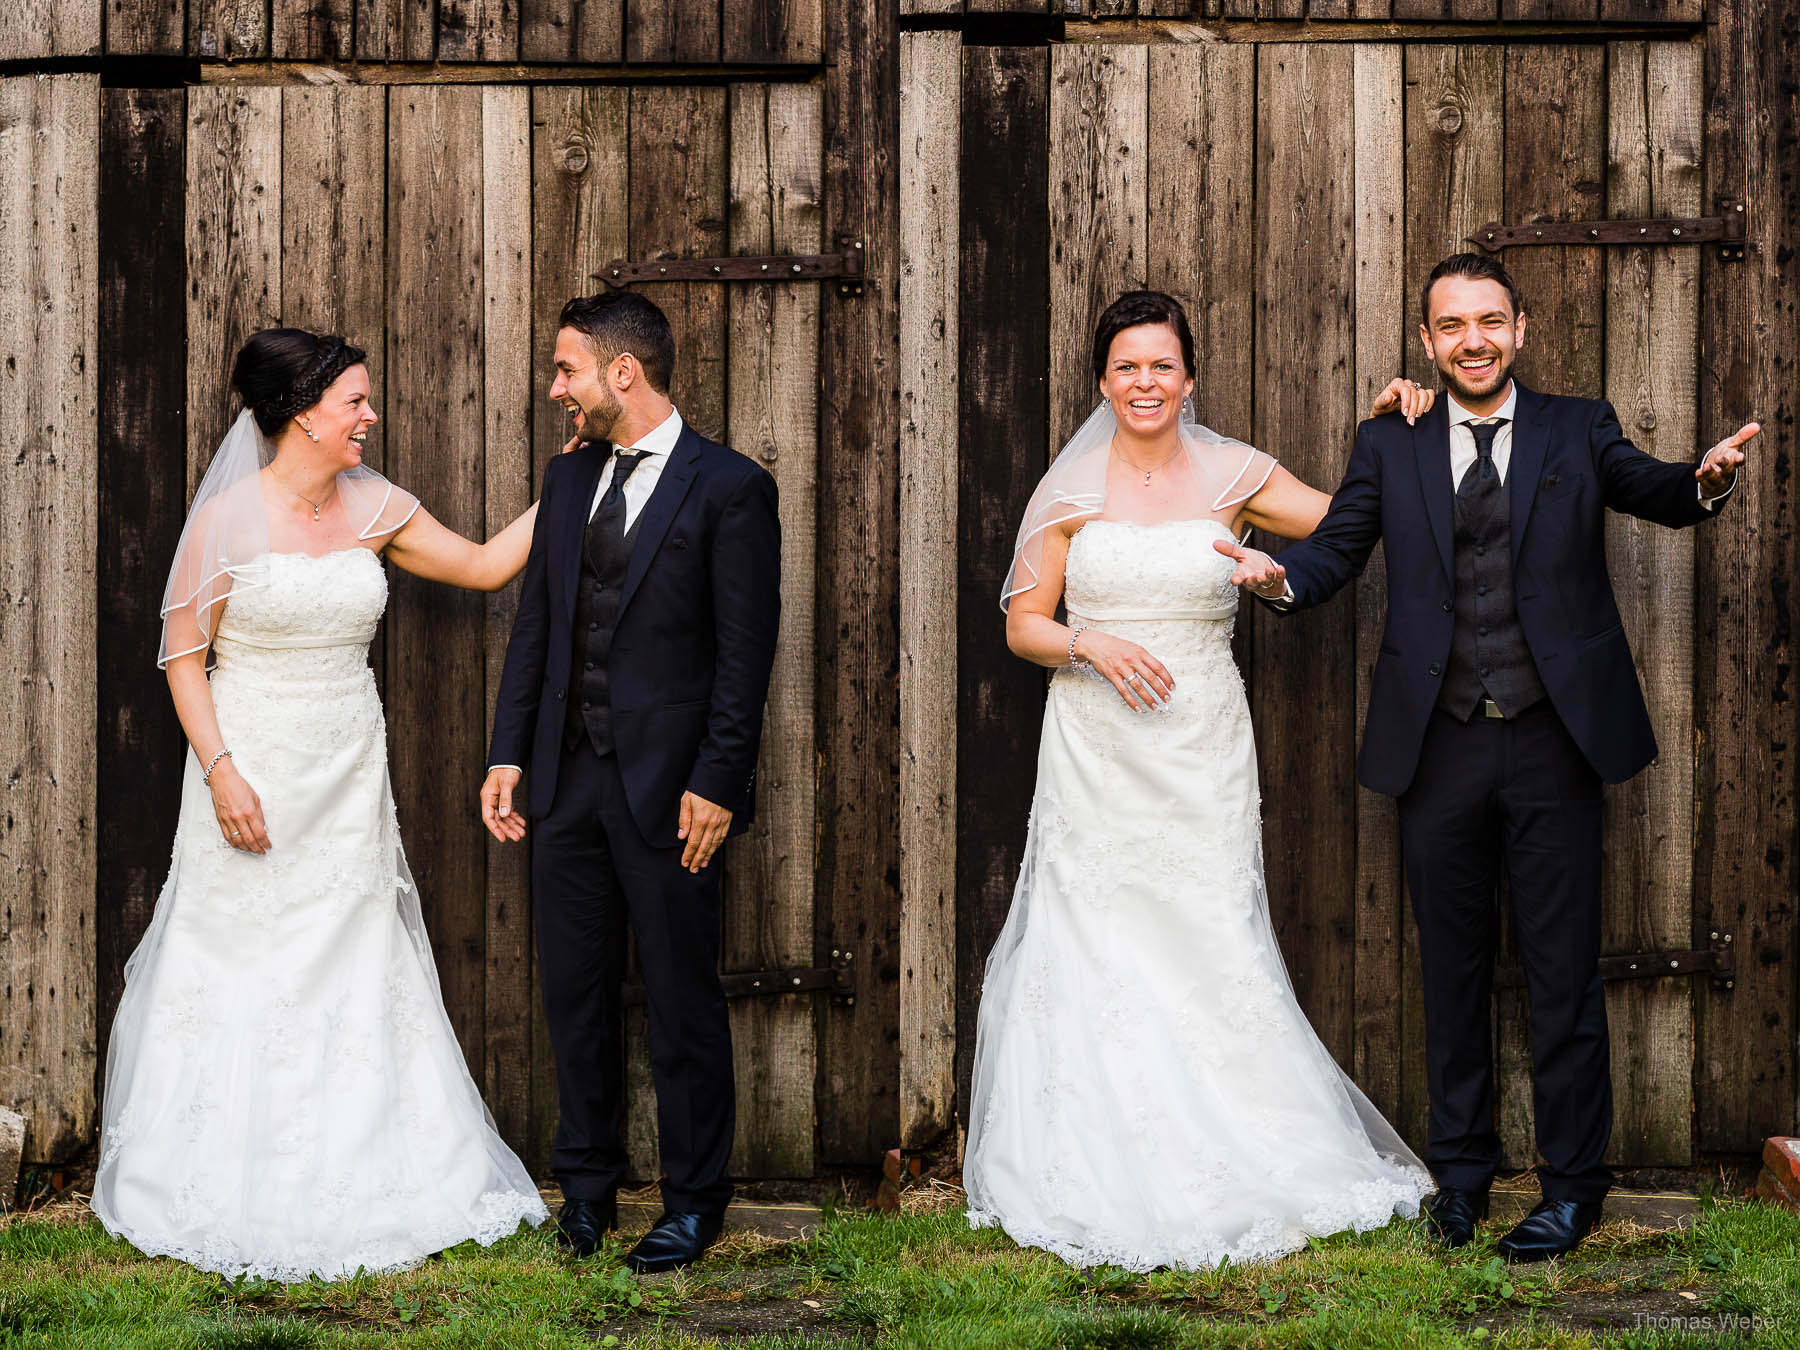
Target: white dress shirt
[657, 443]
[1462, 440]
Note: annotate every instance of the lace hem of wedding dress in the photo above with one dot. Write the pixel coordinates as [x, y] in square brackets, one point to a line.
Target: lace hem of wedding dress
[1368, 1206]
[498, 1216]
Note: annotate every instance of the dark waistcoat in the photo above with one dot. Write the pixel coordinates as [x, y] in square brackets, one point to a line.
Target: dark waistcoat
[1488, 653]
[604, 557]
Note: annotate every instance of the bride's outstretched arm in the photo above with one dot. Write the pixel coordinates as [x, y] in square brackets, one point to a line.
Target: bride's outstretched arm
[1284, 506]
[235, 802]
[428, 548]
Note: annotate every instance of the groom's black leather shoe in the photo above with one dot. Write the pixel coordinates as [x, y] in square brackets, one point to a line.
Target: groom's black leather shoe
[677, 1240]
[1551, 1229]
[582, 1224]
[1454, 1214]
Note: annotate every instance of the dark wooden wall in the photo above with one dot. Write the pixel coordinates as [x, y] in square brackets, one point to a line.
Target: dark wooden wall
[1293, 192]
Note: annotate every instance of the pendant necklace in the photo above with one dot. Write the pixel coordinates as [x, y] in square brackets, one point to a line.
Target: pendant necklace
[1153, 468]
[316, 505]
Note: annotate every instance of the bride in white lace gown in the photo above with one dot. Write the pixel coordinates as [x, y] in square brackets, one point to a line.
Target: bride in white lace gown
[285, 1096]
[1147, 1090]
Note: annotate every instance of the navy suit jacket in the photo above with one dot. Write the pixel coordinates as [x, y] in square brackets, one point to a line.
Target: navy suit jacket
[1570, 464]
[693, 644]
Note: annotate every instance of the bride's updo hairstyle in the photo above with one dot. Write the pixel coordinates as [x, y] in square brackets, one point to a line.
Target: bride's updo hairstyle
[283, 371]
[1133, 310]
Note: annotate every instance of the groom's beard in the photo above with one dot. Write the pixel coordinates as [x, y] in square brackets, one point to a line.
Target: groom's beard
[1463, 390]
[598, 422]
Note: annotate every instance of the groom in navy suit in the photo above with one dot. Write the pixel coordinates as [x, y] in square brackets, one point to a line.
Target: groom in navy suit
[633, 692]
[1504, 695]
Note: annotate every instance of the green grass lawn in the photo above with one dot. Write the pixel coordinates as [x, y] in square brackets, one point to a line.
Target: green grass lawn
[924, 1280]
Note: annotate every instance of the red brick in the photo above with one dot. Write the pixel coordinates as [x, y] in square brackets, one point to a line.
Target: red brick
[1779, 1181]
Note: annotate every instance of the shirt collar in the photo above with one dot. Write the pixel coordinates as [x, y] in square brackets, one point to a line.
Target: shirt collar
[1508, 409]
[660, 439]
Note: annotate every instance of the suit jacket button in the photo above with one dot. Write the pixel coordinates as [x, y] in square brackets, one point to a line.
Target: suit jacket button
[1434, 667]
[1448, 606]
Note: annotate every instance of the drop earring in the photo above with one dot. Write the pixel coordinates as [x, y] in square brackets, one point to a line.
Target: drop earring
[309, 433]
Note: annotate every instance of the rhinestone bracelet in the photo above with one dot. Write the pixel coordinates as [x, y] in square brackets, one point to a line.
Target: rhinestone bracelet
[211, 764]
[1073, 663]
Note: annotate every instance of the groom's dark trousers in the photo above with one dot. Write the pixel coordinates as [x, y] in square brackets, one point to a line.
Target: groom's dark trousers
[1503, 695]
[637, 670]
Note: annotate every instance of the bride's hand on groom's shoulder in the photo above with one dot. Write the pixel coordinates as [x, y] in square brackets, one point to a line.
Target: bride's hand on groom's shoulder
[497, 813]
[1142, 681]
[1404, 396]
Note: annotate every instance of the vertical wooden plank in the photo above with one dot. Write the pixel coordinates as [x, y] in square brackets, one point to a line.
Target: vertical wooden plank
[924, 7]
[394, 30]
[1652, 11]
[1747, 719]
[858, 909]
[311, 30]
[146, 27]
[580, 221]
[1201, 173]
[1098, 242]
[228, 30]
[233, 248]
[770, 31]
[681, 34]
[678, 173]
[49, 477]
[1004, 342]
[42, 28]
[436, 433]
[1381, 340]
[333, 221]
[142, 348]
[777, 149]
[1281, 9]
[478, 30]
[1302, 679]
[1454, 182]
[1652, 350]
[507, 396]
[930, 146]
[1555, 170]
[567, 31]
[1550, 11]
[677, 177]
[1375, 9]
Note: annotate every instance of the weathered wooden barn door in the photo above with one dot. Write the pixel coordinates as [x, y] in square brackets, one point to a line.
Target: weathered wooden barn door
[1294, 196]
[441, 227]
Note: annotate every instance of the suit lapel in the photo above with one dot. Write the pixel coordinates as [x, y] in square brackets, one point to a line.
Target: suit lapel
[1530, 440]
[659, 512]
[1431, 450]
[572, 518]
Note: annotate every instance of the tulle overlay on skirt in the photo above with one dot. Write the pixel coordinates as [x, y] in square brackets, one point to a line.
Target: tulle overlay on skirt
[1147, 1090]
[285, 1096]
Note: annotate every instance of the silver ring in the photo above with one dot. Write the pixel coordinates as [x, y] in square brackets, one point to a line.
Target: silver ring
[1133, 675]
[236, 833]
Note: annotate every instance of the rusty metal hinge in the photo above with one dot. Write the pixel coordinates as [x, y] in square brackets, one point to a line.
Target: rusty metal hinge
[836, 979]
[1715, 961]
[845, 266]
[1725, 229]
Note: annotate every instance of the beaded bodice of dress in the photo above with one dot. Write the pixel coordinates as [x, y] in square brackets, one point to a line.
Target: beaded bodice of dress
[311, 618]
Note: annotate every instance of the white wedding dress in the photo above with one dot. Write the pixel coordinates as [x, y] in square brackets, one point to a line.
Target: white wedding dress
[1147, 1090]
[285, 1096]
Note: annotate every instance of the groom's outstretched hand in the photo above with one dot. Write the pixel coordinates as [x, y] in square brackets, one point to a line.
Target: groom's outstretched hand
[704, 825]
[1255, 569]
[1718, 471]
[504, 823]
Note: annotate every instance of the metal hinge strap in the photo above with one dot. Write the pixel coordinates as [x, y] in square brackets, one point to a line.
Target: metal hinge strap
[845, 266]
[1726, 229]
[1715, 961]
[837, 979]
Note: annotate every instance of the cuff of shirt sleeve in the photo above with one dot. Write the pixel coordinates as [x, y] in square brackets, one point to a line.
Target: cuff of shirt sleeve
[1712, 503]
[514, 767]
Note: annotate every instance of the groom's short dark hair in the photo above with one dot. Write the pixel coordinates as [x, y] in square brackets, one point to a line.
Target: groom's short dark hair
[624, 321]
[1477, 265]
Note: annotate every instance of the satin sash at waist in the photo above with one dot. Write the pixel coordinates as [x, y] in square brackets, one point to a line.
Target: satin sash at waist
[1150, 616]
[297, 641]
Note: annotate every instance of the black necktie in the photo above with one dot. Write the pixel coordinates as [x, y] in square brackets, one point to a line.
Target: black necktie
[610, 514]
[1479, 491]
